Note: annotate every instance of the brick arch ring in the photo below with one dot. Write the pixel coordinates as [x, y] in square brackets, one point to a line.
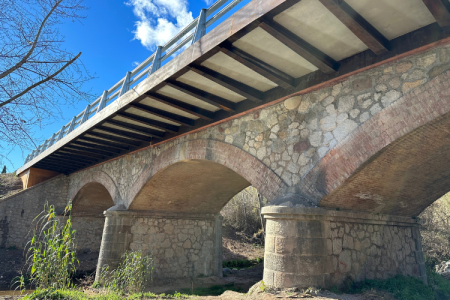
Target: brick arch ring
[253, 170]
[415, 109]
[99, 177]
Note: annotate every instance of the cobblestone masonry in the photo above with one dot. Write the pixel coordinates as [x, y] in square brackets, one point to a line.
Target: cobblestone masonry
[17, 212]
[298, 139]
[181, 245]
[316, 247]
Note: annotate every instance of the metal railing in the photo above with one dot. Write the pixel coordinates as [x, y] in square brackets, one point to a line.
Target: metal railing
[190, 34]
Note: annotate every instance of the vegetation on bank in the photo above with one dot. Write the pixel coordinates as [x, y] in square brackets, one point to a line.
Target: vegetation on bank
[436, 230]
[403, 287]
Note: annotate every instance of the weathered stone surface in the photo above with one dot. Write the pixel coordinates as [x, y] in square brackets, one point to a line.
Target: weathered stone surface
[362, 84]
[341, 242]
[346, 103]
[292, 103]
[403, 67]
[344, 129]
[302, 146]
[407, 86]
[426, 61]
[390, 97]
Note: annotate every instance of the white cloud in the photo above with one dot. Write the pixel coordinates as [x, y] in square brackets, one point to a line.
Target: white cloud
[135, 63]
[159, 20]
[209, 2]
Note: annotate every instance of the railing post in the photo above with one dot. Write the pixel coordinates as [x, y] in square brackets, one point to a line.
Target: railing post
[38, 150]
[45, 145]
[86, 114]
[156, 61]
[61, 133]
[72, 125]
[200, 30]
[102, 103]
[28, 158]
[126, 84]
[52, 140]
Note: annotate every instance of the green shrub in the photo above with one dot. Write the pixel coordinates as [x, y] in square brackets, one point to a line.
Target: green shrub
[408, 288]
[132, 274]
[51, 252]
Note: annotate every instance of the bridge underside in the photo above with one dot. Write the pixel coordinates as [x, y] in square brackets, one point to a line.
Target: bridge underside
[166, 199]
[264, 52]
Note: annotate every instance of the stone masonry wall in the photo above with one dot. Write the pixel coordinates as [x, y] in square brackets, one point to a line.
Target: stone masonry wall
[18, 211]
[291, 137]
[89, 233]
[186, 247]
[322, 248]
[88, 239]
[366, 251]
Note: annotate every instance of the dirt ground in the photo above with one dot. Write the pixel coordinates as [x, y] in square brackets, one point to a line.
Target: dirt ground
[11, 263]
[9, 185]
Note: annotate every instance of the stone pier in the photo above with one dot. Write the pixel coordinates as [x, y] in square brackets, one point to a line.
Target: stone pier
[181, 245]
[322, 248]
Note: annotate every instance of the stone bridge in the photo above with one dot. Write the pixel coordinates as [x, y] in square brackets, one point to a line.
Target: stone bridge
[346, 165]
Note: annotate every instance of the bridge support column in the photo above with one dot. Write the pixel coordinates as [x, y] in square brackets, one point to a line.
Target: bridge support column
[116, 240]
[182, 245]
[322, 248]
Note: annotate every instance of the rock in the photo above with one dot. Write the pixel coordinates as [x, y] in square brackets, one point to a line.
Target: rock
[362, 84]
[304, 106]
[292, 103]
[390, 97]
[302, 146]
[426, 61]
[346, 103]
[344, 129]
[407, 86]
[395, 83]
[438, 70]
[328, 123]
[403, 67]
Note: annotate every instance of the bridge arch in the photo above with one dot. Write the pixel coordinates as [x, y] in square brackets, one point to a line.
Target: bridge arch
[88, 205]
[395, 163]
[214, 162]
[95, 177]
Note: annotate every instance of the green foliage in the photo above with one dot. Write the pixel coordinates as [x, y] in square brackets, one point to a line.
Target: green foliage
[214, 290]
[242, 263]
[408, 288]
[51, 252]
[263, 286]
[436, 230]
[132, 274]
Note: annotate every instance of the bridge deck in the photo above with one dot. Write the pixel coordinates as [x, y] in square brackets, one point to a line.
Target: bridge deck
[265, 51]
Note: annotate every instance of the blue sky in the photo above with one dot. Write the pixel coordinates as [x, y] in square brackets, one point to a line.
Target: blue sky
[114, 37]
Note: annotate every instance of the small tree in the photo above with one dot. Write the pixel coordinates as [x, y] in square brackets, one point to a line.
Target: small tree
[4, 170]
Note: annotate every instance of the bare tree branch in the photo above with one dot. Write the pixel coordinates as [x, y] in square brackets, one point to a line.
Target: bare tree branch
[40, 82]
[36, 39]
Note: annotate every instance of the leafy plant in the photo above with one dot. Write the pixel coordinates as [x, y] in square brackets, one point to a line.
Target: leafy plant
[51, 252]
[408, 288]
[132, 274]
